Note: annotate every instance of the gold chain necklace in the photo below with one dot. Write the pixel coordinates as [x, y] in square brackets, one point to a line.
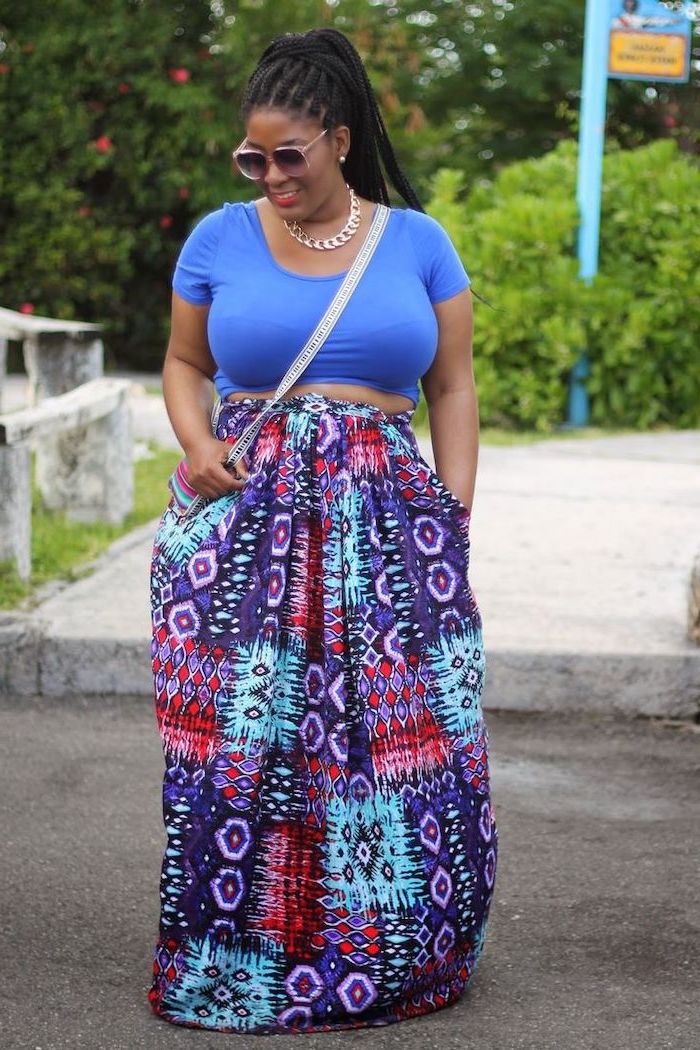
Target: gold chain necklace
[348, 230]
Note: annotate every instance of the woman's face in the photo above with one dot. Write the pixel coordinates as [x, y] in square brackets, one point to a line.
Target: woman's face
[300, 196]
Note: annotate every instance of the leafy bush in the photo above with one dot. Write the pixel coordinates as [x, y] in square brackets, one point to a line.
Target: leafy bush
[638, 320]
[111, 119]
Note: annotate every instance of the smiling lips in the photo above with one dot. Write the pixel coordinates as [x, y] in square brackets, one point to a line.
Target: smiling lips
[285, 199]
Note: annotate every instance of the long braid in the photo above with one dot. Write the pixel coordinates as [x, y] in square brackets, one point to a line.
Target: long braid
[321, 74]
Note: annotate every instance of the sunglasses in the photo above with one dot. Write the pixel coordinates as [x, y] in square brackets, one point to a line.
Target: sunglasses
[291, 160]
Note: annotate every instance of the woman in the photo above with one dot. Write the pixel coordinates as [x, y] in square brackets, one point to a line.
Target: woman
[317, 655]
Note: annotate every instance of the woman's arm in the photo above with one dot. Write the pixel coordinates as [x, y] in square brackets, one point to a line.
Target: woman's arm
[187, 377]
[450, 392]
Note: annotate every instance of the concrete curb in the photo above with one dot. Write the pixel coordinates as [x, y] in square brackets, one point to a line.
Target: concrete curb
[620, 683]
[94, 667]
[76, 655]
[20, 644]
[43, 663]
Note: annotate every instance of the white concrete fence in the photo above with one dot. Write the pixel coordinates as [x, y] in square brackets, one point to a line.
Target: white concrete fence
[78, 424]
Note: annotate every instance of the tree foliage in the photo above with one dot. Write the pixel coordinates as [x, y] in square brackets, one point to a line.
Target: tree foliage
[118, 121]
[112, 118]
[638, 320]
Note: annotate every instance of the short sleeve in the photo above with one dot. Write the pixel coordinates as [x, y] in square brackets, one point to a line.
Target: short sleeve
[192, 276]
[442, 269]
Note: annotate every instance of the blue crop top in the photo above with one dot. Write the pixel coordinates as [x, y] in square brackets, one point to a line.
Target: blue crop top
[262, 314]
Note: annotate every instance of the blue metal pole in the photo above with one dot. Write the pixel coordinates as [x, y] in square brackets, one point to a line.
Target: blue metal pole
[589, 177]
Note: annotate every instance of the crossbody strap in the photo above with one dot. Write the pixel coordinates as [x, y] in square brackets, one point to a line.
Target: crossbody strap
[321, 332]
[309, 350]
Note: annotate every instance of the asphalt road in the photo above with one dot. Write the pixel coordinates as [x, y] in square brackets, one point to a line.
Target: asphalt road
[594, 929]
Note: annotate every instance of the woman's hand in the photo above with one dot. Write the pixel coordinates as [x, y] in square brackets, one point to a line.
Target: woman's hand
[206, 472]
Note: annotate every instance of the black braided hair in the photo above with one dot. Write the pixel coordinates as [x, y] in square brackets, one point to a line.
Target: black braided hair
[320, 74]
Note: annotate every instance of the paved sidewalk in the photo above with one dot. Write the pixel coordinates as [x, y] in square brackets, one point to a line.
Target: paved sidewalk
[592, 941]
[581, 553]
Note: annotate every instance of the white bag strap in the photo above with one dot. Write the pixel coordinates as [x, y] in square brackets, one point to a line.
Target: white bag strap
[321, 332]
[309, 350]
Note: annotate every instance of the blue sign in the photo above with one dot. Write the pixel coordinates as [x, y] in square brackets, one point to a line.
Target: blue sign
[648, 41]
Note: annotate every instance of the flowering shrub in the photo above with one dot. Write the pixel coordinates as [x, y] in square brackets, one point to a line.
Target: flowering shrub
[117, 122]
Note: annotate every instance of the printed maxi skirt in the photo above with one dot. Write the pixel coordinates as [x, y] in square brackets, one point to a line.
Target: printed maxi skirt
[318, 665]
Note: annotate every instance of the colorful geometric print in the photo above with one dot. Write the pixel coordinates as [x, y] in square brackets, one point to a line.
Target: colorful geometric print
[318, 666]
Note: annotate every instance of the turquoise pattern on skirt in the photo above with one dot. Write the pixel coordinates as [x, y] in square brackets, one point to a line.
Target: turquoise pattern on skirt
[318, 666]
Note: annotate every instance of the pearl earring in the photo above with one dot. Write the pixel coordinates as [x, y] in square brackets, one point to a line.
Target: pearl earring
[342, 160]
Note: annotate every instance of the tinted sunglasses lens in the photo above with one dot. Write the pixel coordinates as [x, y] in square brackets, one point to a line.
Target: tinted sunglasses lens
[289, 160]
[251, 164]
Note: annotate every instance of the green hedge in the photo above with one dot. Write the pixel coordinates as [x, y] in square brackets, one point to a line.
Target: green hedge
[639, 320]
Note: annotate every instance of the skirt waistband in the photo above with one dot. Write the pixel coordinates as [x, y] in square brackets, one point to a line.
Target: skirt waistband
[314, 402]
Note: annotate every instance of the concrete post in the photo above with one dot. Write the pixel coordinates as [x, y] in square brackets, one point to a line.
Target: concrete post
[16, 507]
[57, 362]
[87, 471]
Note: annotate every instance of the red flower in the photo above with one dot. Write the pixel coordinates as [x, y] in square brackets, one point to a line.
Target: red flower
[26, 308]
[4, 68]
[103, 143]
[670, 121]
[166, 221]
[123, 88]
[84, 211]
[183, 193]
[179, 75]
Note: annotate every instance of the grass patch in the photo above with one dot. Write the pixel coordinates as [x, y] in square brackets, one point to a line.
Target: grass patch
[64, 549]
[503, 437]
[498, 436]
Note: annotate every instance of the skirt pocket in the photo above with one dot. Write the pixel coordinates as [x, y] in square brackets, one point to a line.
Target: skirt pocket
[457, 511]
[405, 442]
